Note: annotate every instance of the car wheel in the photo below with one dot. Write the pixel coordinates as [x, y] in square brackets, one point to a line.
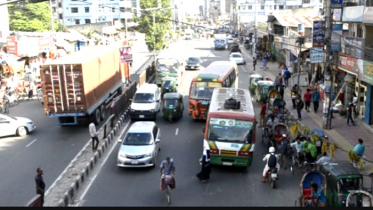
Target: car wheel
[22, 131]
[103, 112]
[97, 116]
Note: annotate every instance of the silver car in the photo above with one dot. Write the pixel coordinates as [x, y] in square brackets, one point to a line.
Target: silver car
[15, 126]
[140, 146]
[237, 58]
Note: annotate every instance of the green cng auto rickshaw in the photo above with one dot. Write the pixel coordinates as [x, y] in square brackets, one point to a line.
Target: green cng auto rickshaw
[169, 85]
[341, 179]
[254, 78]
[262, 90]
[173, 106]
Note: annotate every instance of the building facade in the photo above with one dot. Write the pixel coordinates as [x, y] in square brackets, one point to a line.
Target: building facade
[4, 24]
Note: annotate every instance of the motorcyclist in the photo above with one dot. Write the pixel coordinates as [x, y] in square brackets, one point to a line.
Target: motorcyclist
[167, 168]
[310, 152]
[271, 162]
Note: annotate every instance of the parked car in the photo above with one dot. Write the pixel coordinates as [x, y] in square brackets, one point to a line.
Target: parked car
[140, 146]
[237, 58]
[19, 126]
[193, 63]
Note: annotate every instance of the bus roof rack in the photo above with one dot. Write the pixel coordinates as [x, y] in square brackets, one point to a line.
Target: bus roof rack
[231, 103]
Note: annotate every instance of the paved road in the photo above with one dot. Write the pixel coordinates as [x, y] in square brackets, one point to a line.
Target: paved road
[50, 146]
[182, 140]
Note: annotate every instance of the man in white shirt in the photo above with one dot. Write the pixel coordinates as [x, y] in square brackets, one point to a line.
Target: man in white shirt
[93, 133]
[267, 166]
[324, 159]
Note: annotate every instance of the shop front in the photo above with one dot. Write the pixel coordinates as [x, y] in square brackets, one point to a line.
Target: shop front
[368, 79]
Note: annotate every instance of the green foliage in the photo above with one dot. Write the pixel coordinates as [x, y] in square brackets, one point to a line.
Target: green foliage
[154, 33]
[29, 16]
[59, 27]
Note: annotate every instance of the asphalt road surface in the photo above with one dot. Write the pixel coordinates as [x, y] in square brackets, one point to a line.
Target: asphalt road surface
[183, 141]
[49, 146]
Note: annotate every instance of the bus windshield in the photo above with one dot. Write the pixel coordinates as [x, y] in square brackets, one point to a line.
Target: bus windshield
[231, 130]
[203, 90]
[168, 62]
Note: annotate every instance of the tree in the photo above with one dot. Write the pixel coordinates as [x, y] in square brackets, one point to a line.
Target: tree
[154, 33]
[29, 16]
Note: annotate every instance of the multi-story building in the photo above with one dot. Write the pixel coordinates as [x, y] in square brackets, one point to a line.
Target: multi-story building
[73, 12]
[355, 58]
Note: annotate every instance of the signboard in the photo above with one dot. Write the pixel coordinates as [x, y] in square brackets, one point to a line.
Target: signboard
[336, 38]
[301, 29]
[318, 35]
[316, 55]
[337, 14]
[303, 80]
[368, 15]
[353, 46]
[347, 63]
[126, 54]
[337, 3]
[368, 72]
[353, 14]
[11, 45]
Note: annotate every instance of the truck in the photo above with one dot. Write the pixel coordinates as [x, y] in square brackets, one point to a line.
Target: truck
[79, 86]
[220, 41]
[188, 34]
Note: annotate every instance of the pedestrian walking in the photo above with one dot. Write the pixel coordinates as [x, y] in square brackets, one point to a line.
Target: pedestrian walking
[31, 91]
[265, 60]
[294, 93]
[350, 109]
[204, 175]
[316, 99]
[307, 99]
[282, 91]
[94, 136]
[277, 81]
[282, 68]
[254, 63]
[40, 185]
[300, 106]
[263, 113]
[286, 77]
[359, 150]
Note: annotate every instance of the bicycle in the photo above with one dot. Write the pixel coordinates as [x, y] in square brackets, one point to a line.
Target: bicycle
[168, 181]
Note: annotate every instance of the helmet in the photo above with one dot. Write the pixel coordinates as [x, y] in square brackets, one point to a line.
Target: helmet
[271, 150]
[284, 135]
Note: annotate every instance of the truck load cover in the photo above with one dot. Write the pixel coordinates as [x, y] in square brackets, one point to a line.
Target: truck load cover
[80, 82]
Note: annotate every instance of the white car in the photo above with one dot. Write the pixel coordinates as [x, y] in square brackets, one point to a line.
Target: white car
[15, 126]
[140, 146]
[237, 58]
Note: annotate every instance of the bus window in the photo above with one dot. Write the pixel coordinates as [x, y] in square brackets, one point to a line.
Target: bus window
[228, 82]
[203, 90]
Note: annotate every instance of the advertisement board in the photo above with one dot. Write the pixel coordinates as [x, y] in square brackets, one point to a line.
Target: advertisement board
[318, 35]
[316, 55]
[126, 54]
[353, 14]
[368, 15]
[336, 37]
[353, 46]
[368, 72]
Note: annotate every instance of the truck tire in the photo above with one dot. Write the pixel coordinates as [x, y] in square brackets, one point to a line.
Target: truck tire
[97, 116]
[102, 112]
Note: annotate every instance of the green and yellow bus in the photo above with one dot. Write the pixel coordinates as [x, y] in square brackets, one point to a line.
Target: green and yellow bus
[229, 133]
[217, 74]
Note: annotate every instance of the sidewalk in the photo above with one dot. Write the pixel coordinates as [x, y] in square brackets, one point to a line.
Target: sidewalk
[343, 136]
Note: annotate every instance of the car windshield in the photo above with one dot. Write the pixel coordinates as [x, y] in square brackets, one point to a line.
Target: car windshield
[168, 62]
[144, 98]
[220, 41]
[171, 103]
[231, 130]
[193, 60]
[266, 89]
[203, 90]
[236, 56]
[167, 84]
[137, 139]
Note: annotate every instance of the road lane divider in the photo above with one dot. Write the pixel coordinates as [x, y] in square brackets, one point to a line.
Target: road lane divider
[65, 188]
[177, 131]
[31, 142]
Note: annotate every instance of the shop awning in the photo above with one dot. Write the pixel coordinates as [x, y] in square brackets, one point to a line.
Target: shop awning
[294, 20]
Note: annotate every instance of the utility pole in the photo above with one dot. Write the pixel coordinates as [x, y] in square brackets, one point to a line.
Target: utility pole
[52, 19]
[255, 27]
[327, 109]
[300, 41]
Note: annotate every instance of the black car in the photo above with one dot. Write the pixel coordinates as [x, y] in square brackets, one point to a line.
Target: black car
[193, 63]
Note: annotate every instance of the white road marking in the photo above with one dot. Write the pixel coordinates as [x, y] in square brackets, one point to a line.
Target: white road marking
[31, 142]
[73, 145]
[177, 131]
[240, 82]
[103, 163]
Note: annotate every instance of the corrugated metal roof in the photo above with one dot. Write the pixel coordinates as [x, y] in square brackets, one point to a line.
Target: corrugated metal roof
[294, 20]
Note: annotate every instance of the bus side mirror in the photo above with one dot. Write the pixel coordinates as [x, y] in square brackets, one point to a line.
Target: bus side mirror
[203, 129]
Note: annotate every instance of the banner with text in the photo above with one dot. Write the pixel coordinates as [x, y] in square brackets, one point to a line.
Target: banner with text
[317, 55]
[318, 35]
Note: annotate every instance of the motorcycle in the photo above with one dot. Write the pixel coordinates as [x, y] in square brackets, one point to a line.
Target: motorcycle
[272, 177]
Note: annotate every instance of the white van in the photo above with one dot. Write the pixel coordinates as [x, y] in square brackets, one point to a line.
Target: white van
[146, 102]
